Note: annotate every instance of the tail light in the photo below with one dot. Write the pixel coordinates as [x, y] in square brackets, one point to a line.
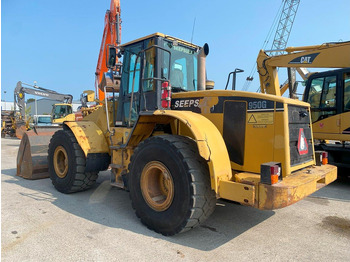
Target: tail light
[166, 95]
[324, 158]
[275, 172]
[321, 158]
[270, 173]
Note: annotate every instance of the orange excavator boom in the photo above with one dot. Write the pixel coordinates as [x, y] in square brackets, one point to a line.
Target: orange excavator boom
[111, 36]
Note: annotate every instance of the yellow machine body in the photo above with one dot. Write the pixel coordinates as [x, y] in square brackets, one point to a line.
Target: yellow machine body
[62, 112]
[332, 128]
[265, 138]
[90, 137]
[236, 133]
[89, 94]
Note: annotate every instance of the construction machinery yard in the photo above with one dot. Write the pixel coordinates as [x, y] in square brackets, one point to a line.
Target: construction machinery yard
[204, 167]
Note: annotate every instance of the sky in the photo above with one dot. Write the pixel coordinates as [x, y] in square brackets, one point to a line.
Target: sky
[56, 43]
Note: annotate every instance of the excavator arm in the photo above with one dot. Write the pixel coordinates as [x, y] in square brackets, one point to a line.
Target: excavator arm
[20, 91]
[111, 36]
[329, 55]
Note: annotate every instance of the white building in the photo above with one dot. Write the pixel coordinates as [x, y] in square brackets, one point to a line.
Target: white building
[7, 105]
[41, 106]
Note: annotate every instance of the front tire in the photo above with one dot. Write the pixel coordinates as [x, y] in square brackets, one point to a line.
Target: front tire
[67, 164]
[170, 184]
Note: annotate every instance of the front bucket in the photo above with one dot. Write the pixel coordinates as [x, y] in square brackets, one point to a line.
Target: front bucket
[20, 131]
[32, 154]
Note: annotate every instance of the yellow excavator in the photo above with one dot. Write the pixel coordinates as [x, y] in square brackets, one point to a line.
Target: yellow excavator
[327, 92]
[32, 155]
[60, 111]
[178, 147]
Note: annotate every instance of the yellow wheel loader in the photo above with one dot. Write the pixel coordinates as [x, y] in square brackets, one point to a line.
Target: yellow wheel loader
[178, 147]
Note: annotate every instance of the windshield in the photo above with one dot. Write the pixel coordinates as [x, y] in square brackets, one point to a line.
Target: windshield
[183, 67]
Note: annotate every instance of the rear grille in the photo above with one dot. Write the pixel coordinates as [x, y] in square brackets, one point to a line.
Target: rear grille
[298, 117]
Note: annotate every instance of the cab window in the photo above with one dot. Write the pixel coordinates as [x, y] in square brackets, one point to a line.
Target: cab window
[148, 83]
[322, 97]
[178, 74]
[183, 70]
[347, 91]
[134, 71]
[328, 93]
[315, 92]
[131, 69]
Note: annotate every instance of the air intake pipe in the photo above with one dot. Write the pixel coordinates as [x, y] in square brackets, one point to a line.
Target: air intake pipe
[201, 74]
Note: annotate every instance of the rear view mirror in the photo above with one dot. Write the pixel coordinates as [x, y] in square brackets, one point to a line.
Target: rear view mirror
[112, 56]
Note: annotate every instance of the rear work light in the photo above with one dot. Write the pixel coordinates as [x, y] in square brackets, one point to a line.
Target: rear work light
[270, 173]
[166, 95]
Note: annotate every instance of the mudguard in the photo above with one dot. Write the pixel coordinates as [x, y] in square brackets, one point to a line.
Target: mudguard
[94, 144]
[211, 145]
[89, 136]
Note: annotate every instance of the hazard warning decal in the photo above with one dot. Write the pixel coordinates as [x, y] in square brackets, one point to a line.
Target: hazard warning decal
[260, 118]
[302, 143]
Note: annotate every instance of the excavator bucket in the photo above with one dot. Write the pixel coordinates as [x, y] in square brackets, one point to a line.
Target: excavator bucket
[20, 131]
[32, 162]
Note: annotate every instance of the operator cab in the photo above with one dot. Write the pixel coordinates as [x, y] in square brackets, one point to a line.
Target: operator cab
[328, 93]
[61, 110]
[153, 67]
[329, 96]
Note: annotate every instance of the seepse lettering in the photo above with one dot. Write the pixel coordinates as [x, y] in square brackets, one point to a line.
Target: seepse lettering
[186, 103]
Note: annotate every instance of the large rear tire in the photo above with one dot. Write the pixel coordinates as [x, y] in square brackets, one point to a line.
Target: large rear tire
[67, 164]
[170, 184]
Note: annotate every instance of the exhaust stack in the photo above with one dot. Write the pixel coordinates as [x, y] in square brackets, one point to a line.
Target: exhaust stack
[201, 74]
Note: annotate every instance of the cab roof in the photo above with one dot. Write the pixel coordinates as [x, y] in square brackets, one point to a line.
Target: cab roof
[171, 38]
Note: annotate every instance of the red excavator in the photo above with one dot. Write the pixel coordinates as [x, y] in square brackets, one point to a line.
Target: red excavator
[111, 37]
[32, 154]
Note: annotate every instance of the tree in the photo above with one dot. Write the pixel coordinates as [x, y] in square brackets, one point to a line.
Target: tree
[27, 112]
[29, 100]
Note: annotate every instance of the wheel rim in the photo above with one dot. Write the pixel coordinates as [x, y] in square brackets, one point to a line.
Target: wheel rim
[60, 161]
[157, 186]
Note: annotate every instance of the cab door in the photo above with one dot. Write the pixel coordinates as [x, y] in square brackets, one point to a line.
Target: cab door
[149, 83]
[345, 115]
[129, 96]
[140, 88]
[325, 105]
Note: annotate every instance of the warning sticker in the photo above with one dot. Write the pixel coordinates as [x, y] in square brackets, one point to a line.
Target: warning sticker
[260, 118]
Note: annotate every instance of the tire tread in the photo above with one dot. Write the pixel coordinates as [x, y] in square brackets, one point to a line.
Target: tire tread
[82, 180]
[203, 200]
